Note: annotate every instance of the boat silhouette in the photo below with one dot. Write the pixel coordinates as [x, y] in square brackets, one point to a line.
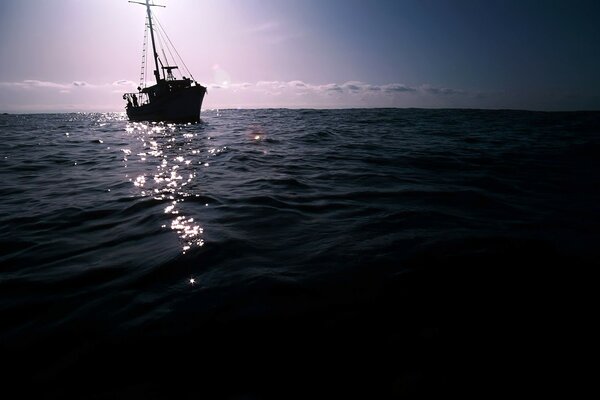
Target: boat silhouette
[169, 99]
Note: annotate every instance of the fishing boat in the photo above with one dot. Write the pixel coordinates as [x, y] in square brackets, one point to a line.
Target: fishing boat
[167, 99]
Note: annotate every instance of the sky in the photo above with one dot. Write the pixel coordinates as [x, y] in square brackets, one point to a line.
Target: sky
[82, 55]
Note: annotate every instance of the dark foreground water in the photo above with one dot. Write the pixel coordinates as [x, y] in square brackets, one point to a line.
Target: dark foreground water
[285, 253]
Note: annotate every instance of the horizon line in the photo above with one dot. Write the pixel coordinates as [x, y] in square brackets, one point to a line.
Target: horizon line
[313, 108]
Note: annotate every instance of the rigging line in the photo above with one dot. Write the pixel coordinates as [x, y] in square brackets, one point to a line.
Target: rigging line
[174, 48]
[167, 61]
[160, 44]
[165, 56]
[162, 32]
[144, 56]
[171, 54]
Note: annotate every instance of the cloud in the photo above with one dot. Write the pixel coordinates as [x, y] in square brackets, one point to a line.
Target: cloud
[397, 88]
[275, 32]
[279, 39]
[30, 84]
[124, 82]
[267, 83]
[440, 91]
[353, 86]
[349, 88]
[301, 94]
[330, 87]
[34, 95]
[31, 93]
[265, 27]
[273, 87]
[298, 85]
[33, 84]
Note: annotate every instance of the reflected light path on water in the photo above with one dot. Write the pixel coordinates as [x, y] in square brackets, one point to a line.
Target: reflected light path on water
[162, 164]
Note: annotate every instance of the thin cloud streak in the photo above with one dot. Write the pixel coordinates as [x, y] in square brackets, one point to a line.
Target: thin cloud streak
[266, 27]
[33, 83]
[300, 94]
[124, 82]
[352, 87]
[37, 84]
[261, 94]
[274, 32]
[441, 91]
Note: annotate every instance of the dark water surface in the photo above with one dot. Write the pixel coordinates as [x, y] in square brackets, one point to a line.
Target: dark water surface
[282, 253]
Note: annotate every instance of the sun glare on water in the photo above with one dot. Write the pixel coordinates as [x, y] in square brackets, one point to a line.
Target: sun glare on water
[166, 164]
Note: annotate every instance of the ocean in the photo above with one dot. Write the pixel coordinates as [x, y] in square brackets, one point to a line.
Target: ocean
[284, 253]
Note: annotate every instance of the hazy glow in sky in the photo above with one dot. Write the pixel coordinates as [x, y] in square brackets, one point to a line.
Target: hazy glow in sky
[64, 55]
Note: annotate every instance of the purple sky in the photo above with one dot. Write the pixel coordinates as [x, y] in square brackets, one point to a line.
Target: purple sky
[81, 55]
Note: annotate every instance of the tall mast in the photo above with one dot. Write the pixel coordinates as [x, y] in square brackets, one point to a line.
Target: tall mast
[148, 5]
[156, 71]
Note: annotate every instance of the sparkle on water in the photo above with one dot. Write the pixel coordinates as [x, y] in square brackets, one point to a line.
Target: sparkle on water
[168, 161]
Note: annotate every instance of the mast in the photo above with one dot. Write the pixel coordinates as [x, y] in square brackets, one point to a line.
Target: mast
[148, 5]
[156, 73]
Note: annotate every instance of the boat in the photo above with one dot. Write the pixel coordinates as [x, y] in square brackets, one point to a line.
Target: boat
[168, 99]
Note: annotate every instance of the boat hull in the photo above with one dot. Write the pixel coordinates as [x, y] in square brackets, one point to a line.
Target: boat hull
[181, 106]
